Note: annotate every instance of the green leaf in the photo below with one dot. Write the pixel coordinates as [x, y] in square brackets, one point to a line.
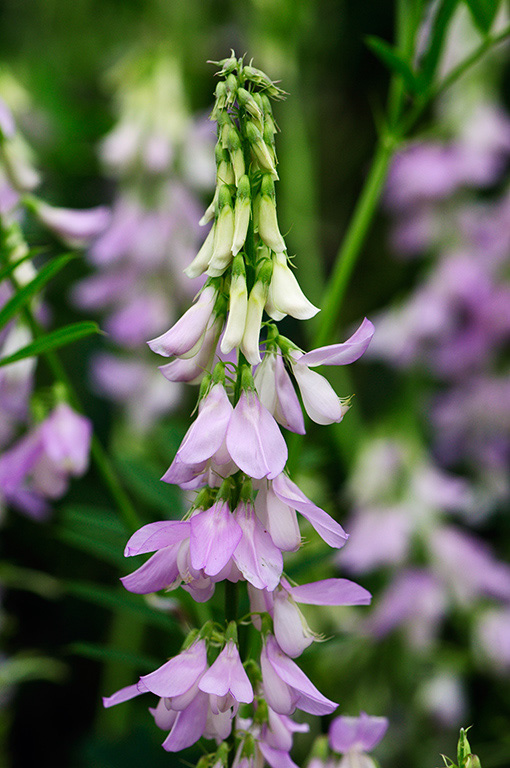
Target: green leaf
[104, 653]
[24, 294]
[94, 530]
[393, 60]
[430, 60]
[53, 340]
[8, 269]
[145, 481]
[483, 13]
[120, 600]
[23, 667]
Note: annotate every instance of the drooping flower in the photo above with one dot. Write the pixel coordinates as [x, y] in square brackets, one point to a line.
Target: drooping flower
[286, 687]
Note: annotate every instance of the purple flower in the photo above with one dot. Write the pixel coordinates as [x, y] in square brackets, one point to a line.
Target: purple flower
[185, 338]
[286, 687]
[183, 709]
[276, 392]
[354, 736]
[77, 228]
[290, 627]
[226, 682]
[254, 440]
[66, 437]
[38, 466]
[327, 528]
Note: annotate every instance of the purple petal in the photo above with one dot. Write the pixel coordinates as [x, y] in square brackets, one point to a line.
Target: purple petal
[254, 440]
[275, 757]
[206, 434]
[189, 725]
[214, 536]
[228, 674]
[260, 562]
[330, 592]
[157, 536]
[125, 694]
[327, 528]
[188, 330]
[159, 572]
[361, 733]
[178, 675]
[310, 698]
[74, 226]
[341, 354]
[288, 409]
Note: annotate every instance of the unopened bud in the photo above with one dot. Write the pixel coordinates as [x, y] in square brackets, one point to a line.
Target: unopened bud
[256, 304]
[247, 101]
[224, 234]
[472, 761]
[242, 214]
[260, 149]
[201, 261]
[267, 221]
[238, 307]
[236, 153]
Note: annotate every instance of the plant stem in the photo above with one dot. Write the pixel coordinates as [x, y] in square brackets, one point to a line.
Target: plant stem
[354, 239]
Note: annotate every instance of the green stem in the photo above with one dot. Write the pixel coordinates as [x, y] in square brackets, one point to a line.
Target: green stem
[354, 239]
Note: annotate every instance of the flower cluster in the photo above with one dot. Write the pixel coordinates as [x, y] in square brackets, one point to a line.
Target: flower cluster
[244, 515]
[160, 161]
[43, 441]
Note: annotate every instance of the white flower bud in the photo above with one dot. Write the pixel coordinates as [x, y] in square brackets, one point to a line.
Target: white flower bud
[268, 225]
[223, 236]
[256, 303]
[285, 294]
[203, 257]
[237, 308]
[241, 214]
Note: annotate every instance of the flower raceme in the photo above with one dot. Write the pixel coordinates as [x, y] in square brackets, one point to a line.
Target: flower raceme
[244, 516]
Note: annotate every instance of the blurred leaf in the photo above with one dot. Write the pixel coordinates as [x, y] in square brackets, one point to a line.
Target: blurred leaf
[39, 583]
[53, 340]
[144, 481]
[95, 547]
[94, 530]
[119, 600]
[24, 294]
[483, 13]
[8, 269]
[393, 60]
[430, 60]
[103, 653]
[21, 668]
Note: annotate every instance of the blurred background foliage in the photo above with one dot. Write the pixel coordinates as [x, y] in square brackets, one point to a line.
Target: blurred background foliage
[61, 580]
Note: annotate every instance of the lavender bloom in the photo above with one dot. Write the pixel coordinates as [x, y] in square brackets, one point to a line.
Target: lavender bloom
[286, 687]
[290, 627]
[355, 736]
[77, 228]
[183, 709]
[37, 466]
[226, 682]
